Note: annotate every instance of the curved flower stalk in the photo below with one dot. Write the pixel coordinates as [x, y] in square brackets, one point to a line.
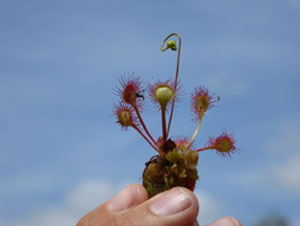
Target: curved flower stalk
[176, 161]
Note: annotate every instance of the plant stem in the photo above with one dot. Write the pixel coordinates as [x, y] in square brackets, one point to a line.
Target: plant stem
[176, 75]
[176, 82]
[203, 149]
[143, 135]
[143, 124]
[163, 121]
[196, 130]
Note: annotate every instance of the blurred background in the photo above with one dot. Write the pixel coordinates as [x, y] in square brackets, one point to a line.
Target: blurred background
[61, 152]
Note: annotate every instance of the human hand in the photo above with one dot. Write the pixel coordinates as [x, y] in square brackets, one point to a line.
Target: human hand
[131, 207]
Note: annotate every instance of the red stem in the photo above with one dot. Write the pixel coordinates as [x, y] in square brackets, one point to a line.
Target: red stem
[143, 124]
[143, 135]
[206, 148]
[176, 81]
[163, 121]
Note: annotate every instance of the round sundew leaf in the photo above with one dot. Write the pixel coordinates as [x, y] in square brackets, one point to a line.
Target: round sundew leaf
[202, 103]
[125, 117]
[224, 144]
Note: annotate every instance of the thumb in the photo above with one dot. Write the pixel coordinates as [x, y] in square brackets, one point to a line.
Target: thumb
[178, 206]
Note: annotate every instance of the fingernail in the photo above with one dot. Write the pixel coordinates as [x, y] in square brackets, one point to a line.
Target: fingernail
[236, 222]
[124, 199]
[226, 221]
[171, 202]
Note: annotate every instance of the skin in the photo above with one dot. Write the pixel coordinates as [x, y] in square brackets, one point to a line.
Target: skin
[131, 207]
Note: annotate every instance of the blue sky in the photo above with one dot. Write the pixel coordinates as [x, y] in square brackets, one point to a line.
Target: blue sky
[59, 142]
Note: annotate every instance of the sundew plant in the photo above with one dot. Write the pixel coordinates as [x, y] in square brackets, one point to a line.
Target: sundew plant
[175, 162]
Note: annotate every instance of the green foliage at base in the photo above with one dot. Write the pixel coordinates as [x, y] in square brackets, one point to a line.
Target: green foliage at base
[176, 168]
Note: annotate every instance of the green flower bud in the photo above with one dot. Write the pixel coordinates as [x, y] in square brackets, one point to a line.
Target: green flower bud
[172, 45]
[163, 94]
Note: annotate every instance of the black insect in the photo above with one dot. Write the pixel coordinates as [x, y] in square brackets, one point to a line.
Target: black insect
[140, 95]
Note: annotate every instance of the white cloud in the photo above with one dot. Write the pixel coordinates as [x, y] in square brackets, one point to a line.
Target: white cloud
[89, 195]
[79, 201]
[51, 217]
[285, 143]
[281, 170]
[287, 175]
[277, 178]
[285, 140]
[209, 207]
